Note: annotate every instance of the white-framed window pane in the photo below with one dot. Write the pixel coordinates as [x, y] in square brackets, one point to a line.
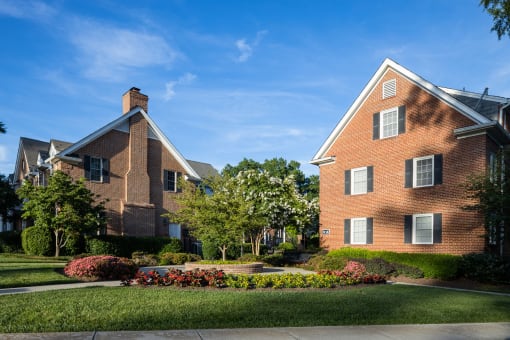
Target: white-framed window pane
[424, 171]
[95, 169]
[423, 229]
[174, 230]
[359, 181]
[359, 231]
[171, 181]
[389, 123]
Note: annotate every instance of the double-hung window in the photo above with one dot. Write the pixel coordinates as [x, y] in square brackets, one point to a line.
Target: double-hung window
[170, 180]
[389, 123]
[424, 171]
[423, 228]
[358, 230]
[359, 180]
[96, 169]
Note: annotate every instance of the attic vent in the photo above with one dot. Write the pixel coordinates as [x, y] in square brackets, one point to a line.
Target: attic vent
[389, 88]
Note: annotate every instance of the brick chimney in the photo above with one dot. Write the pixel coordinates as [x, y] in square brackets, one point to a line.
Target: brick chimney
[133, 98]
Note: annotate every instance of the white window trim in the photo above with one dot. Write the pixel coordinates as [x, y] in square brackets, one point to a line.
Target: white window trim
[415, 172]
[431, 230]
[175, 181]
[100, 180]
[352, 180]
[364, 219]
[381, 123]
[384, 88]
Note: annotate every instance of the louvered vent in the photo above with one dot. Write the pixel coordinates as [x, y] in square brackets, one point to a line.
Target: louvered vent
[389, 88]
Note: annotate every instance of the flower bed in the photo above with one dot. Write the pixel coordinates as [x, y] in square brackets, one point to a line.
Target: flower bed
[241, 268]
[102, 267]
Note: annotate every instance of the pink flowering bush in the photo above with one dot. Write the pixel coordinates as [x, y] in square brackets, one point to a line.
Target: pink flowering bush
[103, 267]
[354, 273]
[179, 278]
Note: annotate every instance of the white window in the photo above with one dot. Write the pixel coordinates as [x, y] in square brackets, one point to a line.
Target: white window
[423, 171]
[389, 88]
[96, 169]
[174, 230]
[359, 181]
[359, 231]
[389, 123]
[423, 229]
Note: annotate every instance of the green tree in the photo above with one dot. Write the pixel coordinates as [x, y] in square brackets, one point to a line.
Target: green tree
[2, 128]
[210, 217]
[63, 206]
[490, 192]
[8, 199]
[500, 12]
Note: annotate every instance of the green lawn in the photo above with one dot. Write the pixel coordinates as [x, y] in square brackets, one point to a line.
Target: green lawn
[18, 270]
[137, 308]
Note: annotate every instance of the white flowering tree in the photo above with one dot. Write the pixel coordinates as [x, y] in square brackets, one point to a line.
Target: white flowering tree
[266, 202]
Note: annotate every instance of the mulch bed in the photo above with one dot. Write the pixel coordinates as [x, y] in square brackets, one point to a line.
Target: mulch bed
[460, 283]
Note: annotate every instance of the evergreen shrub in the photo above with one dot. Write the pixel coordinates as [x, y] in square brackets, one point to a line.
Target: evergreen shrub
[37, 240]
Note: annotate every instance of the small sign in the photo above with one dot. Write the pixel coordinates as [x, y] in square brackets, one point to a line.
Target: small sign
[325, 231]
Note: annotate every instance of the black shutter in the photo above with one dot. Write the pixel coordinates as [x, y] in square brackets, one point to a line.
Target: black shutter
[438, 169]
[375, 134]
[347, 182]
[165, 180]
[178, 182]
[370, 179]
[409, 173]
[347, 231]
[401, 119]
[106, 170]
[86, 166]
[408, 229]
[370, 230]
[438, 228]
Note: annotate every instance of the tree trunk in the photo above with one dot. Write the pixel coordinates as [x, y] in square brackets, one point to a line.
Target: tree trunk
[57, 243]
[223, 250]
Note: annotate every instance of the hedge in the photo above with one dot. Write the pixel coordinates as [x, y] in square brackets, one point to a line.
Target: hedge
[124, 246]
[37, 241]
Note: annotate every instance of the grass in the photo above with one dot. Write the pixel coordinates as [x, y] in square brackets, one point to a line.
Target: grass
[18, 270]
[137, 308]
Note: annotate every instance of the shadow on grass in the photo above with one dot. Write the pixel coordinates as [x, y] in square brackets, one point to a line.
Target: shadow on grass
[25, 277]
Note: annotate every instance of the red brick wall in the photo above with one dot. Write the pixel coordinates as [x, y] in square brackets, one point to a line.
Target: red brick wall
[140, 212]
[429, 130]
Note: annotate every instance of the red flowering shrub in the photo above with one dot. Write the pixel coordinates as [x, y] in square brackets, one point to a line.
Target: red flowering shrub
[354, 273]
[104, 267]
[176, 277]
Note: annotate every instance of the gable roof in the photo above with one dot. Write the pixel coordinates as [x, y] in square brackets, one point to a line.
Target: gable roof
[30, 149]
[68, 151]
[427, 86]
[204, 170]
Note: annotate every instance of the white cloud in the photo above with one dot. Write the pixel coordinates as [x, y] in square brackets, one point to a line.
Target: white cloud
[107, 52]
[245, 49]
[34, 10]
[186, 79]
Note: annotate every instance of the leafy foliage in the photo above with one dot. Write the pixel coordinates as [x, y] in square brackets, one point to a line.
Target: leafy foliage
[37, 240]
[8, 198]
[177, 258]
[179, 278]
[95, 268]
[10, 242]
[174, 246]
[485, 268]
[500, 12]
[63, 206]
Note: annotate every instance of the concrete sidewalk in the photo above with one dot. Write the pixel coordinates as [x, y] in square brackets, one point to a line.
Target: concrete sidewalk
[403, 332]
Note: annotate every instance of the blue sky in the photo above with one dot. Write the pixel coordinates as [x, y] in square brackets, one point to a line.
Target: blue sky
[228, 79]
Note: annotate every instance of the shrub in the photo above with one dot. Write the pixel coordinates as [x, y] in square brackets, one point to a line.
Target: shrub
[175, 246]
[377, 266]
[210, 250]
[95, 268]
[485, 268]
[234, 251]
[177, 258]
[97, 246]
[322, 262]
[37, 240]
[409, 271]
[74, 245]
[144, 260]
[286, 246]
[10, 242]
[250, 258]
[275, 260]
[178, 278]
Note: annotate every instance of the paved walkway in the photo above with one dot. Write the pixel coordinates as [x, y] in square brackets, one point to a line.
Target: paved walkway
[493, 331]
[404, 332]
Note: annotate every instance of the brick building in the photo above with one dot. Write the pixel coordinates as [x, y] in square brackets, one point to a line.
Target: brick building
[129, 161]
[393, 169]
